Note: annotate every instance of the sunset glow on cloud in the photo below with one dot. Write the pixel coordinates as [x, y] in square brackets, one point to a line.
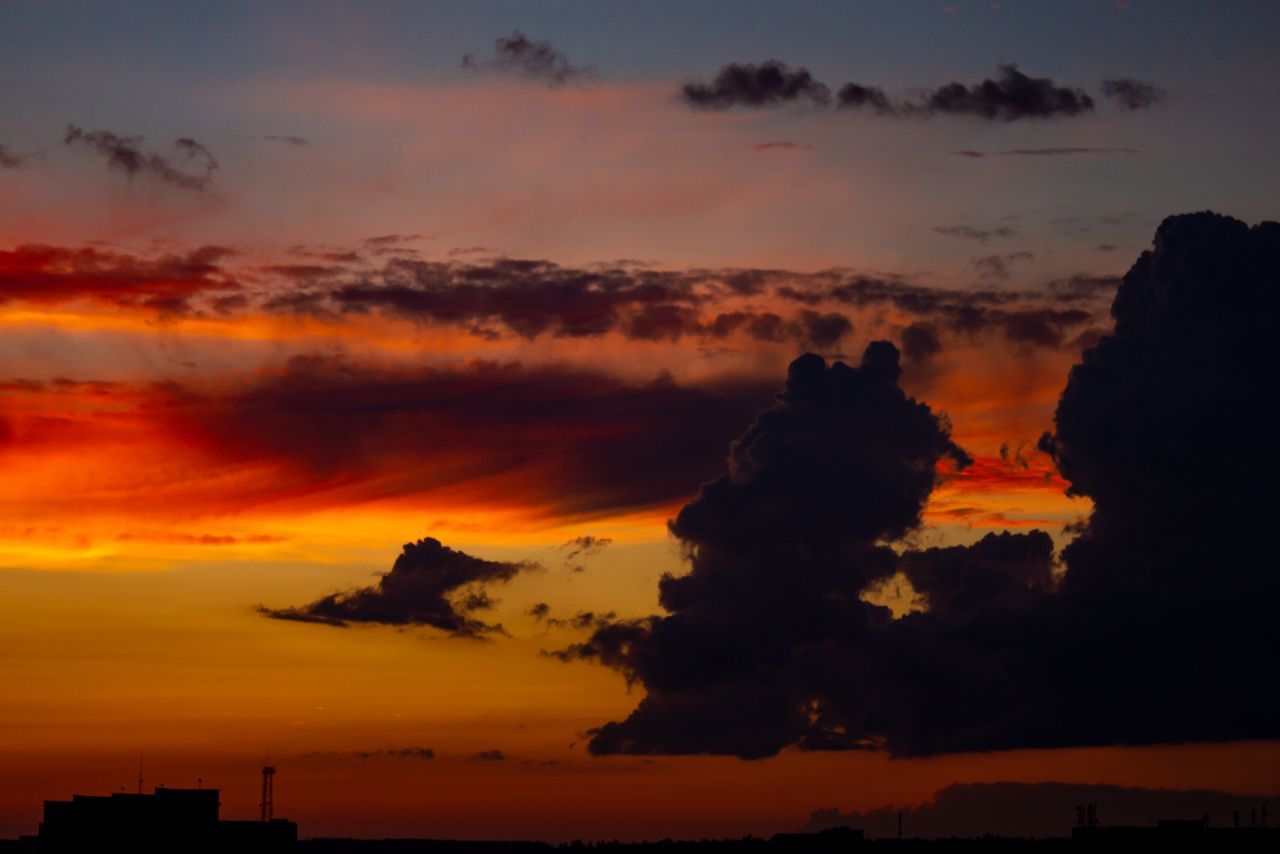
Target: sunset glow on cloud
[416, 394]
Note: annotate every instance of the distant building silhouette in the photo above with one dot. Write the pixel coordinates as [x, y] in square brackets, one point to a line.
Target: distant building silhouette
[1176, 834]
[168, 820]
[829, 841]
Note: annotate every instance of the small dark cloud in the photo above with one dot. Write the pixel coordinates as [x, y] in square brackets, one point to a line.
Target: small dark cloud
[1009, 96]
[980, 235]
[920, 342]
[1083, 287]
[298, 141]
[535, 60]
[857, 96]
[584, 620]
[305, 273]
[389, 241]
[768, 84]
[585, 545]
[489, 756]
[1015, 454]
[1073, 224]
[429, 585]
[397, 753]
[783, 146]
[187, 539]
[1105, 247]
[997, 266]
[1132, 94]
[329, 256]
[9, 159]
[825, 330]
[1039, 327]
[124, 153]
[1044, 152]
[539, 610]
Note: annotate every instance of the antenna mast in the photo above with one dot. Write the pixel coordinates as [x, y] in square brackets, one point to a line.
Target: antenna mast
[268, 776]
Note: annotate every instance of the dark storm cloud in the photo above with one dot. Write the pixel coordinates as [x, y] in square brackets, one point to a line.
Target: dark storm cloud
[1043, 152]
[871, 291]
[999, 572]
[1132, 94]
[780, 547]
[125, 154]
[1153, 425]
[529, 297]
[429, 585]
[1010, 96]
[966, 312]
[980, 235]
[536, 60]
[1160, 630]
[506, 297]
[768, 84]
[532, 298]
[573, 440]
[44, 274]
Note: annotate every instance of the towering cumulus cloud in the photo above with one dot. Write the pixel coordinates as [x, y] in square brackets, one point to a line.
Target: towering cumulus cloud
[1168, 425]
[762, 631]
[1161, 629]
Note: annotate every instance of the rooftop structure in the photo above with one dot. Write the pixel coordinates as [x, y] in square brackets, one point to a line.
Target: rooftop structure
[166, 820]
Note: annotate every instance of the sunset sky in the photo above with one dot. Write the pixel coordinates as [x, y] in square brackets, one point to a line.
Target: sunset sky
[285, 287]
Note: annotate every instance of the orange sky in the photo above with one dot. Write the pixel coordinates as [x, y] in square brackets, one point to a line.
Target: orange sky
[411, 301]
[159, 497]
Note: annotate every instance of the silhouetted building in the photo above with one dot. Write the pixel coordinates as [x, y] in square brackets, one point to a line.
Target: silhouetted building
[169, 820]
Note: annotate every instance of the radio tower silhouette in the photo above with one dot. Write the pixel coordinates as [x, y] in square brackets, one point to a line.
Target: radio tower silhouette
[268, 776]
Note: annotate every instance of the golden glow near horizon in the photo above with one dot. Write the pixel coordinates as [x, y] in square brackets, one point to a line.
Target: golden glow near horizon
[418, 300]
[144, 526]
